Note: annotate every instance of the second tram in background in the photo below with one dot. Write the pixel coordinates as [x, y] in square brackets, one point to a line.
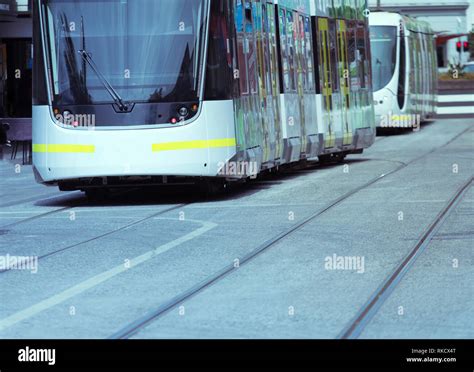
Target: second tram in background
[404, 70]
[212, 90]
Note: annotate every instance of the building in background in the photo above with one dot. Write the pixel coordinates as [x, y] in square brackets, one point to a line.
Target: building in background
[16, 62]
[449, 18]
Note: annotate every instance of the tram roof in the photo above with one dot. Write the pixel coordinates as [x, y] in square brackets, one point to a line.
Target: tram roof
[393, 19]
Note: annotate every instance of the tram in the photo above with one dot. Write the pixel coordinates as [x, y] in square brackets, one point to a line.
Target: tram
[404, 67]
[163, 91]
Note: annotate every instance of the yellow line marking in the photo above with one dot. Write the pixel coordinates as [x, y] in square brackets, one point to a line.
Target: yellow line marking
[71, 149]
[198, 144]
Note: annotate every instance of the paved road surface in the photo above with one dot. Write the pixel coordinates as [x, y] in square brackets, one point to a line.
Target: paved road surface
[144, 265]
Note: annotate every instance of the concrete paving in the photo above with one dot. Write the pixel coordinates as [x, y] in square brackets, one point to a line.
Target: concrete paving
[94, 287]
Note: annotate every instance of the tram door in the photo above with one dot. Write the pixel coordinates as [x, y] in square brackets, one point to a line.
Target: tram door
[3, 78]
[326, 77]
[344, 75]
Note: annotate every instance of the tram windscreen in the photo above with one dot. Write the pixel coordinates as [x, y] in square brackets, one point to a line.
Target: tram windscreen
[147, 50]
[383, 43]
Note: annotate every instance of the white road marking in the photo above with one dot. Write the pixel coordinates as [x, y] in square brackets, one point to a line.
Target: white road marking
[456, 110]
[456, 98]
[101, 278]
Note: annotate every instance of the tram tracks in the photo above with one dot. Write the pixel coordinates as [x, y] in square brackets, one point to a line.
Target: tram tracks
[134, 327]
[82, 202]
[41, 215]
[357, 325]
[131, 329]
[109, 233]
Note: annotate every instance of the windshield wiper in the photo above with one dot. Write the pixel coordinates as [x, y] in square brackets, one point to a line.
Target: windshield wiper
[113, 93]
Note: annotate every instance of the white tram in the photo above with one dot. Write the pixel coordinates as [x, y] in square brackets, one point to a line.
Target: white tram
[153, 91]
[404, 70]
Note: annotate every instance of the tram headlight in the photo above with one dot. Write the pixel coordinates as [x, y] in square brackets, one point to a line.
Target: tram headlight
[183, 112]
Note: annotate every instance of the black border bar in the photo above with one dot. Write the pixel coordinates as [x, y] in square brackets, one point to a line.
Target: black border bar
[304, 355]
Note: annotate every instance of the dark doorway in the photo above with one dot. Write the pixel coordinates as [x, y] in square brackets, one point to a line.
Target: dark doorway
[3, 78]
[15, 85]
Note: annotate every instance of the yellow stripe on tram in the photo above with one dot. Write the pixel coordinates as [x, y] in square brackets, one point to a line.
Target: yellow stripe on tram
[69, 149]
[192, 145]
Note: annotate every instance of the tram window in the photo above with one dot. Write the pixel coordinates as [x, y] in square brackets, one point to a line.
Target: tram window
[340, 54]
[267, 53]
[301, 53]
[412, 64]
[368, 53]
[334, 56]
[114, 34]
[250, 48]
[261, 50]
[219, 58]
[402, 71]
[241, 49]
[290, 37]
[285, 50]
[248, 12]
[316, 55]
[352, 58]
[273, 48]
[309, 54]
[281, 45]
[362, 51]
